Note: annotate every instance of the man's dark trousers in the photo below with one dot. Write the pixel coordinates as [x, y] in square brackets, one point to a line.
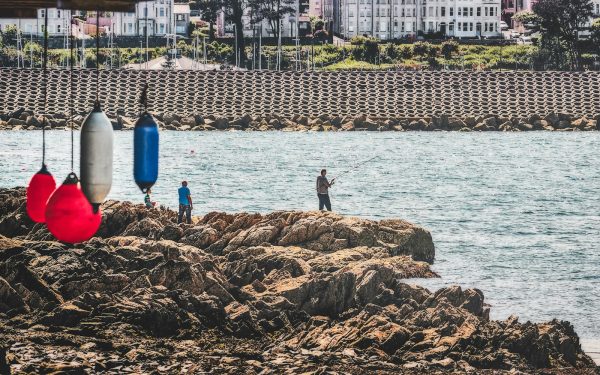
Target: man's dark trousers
[324, 202]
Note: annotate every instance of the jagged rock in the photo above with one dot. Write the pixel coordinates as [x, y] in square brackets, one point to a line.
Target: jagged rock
[231, 293]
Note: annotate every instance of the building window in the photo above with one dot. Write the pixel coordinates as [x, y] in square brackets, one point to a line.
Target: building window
[58, 28]
[478, 11]
[443, 11]
[452, 12]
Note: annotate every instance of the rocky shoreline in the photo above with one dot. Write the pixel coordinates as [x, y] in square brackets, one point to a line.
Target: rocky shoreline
[286, 292]
[27, 120]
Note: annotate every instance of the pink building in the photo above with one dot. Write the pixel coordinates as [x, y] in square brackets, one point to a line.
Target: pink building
[315, 8]
[512, 7]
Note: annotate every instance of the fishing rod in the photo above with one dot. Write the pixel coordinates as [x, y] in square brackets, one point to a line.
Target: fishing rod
[355, 167]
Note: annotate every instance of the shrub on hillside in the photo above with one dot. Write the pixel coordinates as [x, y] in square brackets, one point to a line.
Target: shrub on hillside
[421, 48]
[449, 47]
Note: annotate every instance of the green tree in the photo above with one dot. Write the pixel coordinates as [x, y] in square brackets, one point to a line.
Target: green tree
[391, 52]
[595, 30]
[209, 11]
[366, 49]
[449, 47]
[273, 11]
[560, 22]
[234, 13]
[405, 52]
[9, 35]
[421, 49]
[528, 18]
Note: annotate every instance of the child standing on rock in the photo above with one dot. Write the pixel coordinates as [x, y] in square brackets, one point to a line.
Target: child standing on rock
[148, 200]
[185, 203]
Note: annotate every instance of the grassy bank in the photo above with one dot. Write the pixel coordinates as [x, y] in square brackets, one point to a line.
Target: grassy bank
[360, 55]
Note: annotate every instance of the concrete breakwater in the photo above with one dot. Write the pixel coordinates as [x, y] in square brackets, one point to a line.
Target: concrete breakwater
[27, 120]
[290, 292]
[232, 94]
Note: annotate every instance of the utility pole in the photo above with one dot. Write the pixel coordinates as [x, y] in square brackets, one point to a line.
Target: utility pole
[253, 47]
[146, 34]
[280, 22]
[204, 51]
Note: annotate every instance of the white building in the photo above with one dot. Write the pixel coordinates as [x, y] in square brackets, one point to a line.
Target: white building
[58, 23]
[154, 17]
[157, 16]
[391, 19]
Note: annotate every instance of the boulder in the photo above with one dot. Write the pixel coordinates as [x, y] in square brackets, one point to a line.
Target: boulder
[189, 121]
[221, 123]
[15, 121]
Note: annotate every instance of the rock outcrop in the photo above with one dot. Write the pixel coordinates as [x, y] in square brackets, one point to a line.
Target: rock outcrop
[291, 292]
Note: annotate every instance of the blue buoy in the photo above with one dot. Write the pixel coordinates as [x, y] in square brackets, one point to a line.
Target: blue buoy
[145, 152]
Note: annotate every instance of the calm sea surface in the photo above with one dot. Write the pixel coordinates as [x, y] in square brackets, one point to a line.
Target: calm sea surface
[516, 215]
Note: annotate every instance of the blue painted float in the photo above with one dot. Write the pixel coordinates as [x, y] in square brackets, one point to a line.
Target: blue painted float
[145, 152]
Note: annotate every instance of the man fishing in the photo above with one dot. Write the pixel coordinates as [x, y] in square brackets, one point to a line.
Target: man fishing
[323, 190]
[185, 203]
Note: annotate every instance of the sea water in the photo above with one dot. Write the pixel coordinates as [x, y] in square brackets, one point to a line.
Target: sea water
[513, 214]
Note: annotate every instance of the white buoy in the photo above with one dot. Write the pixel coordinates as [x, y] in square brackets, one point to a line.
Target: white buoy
[96, 161]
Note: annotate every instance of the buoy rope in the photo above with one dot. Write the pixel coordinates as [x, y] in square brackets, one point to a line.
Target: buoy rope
[45, 86]
[97, 54]
[71, 94]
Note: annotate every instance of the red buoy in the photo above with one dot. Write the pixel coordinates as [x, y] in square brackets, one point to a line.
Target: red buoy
[69, 215]
[41, 186]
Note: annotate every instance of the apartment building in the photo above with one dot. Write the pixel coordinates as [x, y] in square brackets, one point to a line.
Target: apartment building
[157, 17]
[58, 22]
[392, 19]
[152, 17]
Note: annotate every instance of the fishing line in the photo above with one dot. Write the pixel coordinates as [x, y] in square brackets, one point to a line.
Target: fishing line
[355, 167]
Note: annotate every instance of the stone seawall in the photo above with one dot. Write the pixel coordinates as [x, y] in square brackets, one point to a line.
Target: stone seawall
[312, 94]
[27, 120]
